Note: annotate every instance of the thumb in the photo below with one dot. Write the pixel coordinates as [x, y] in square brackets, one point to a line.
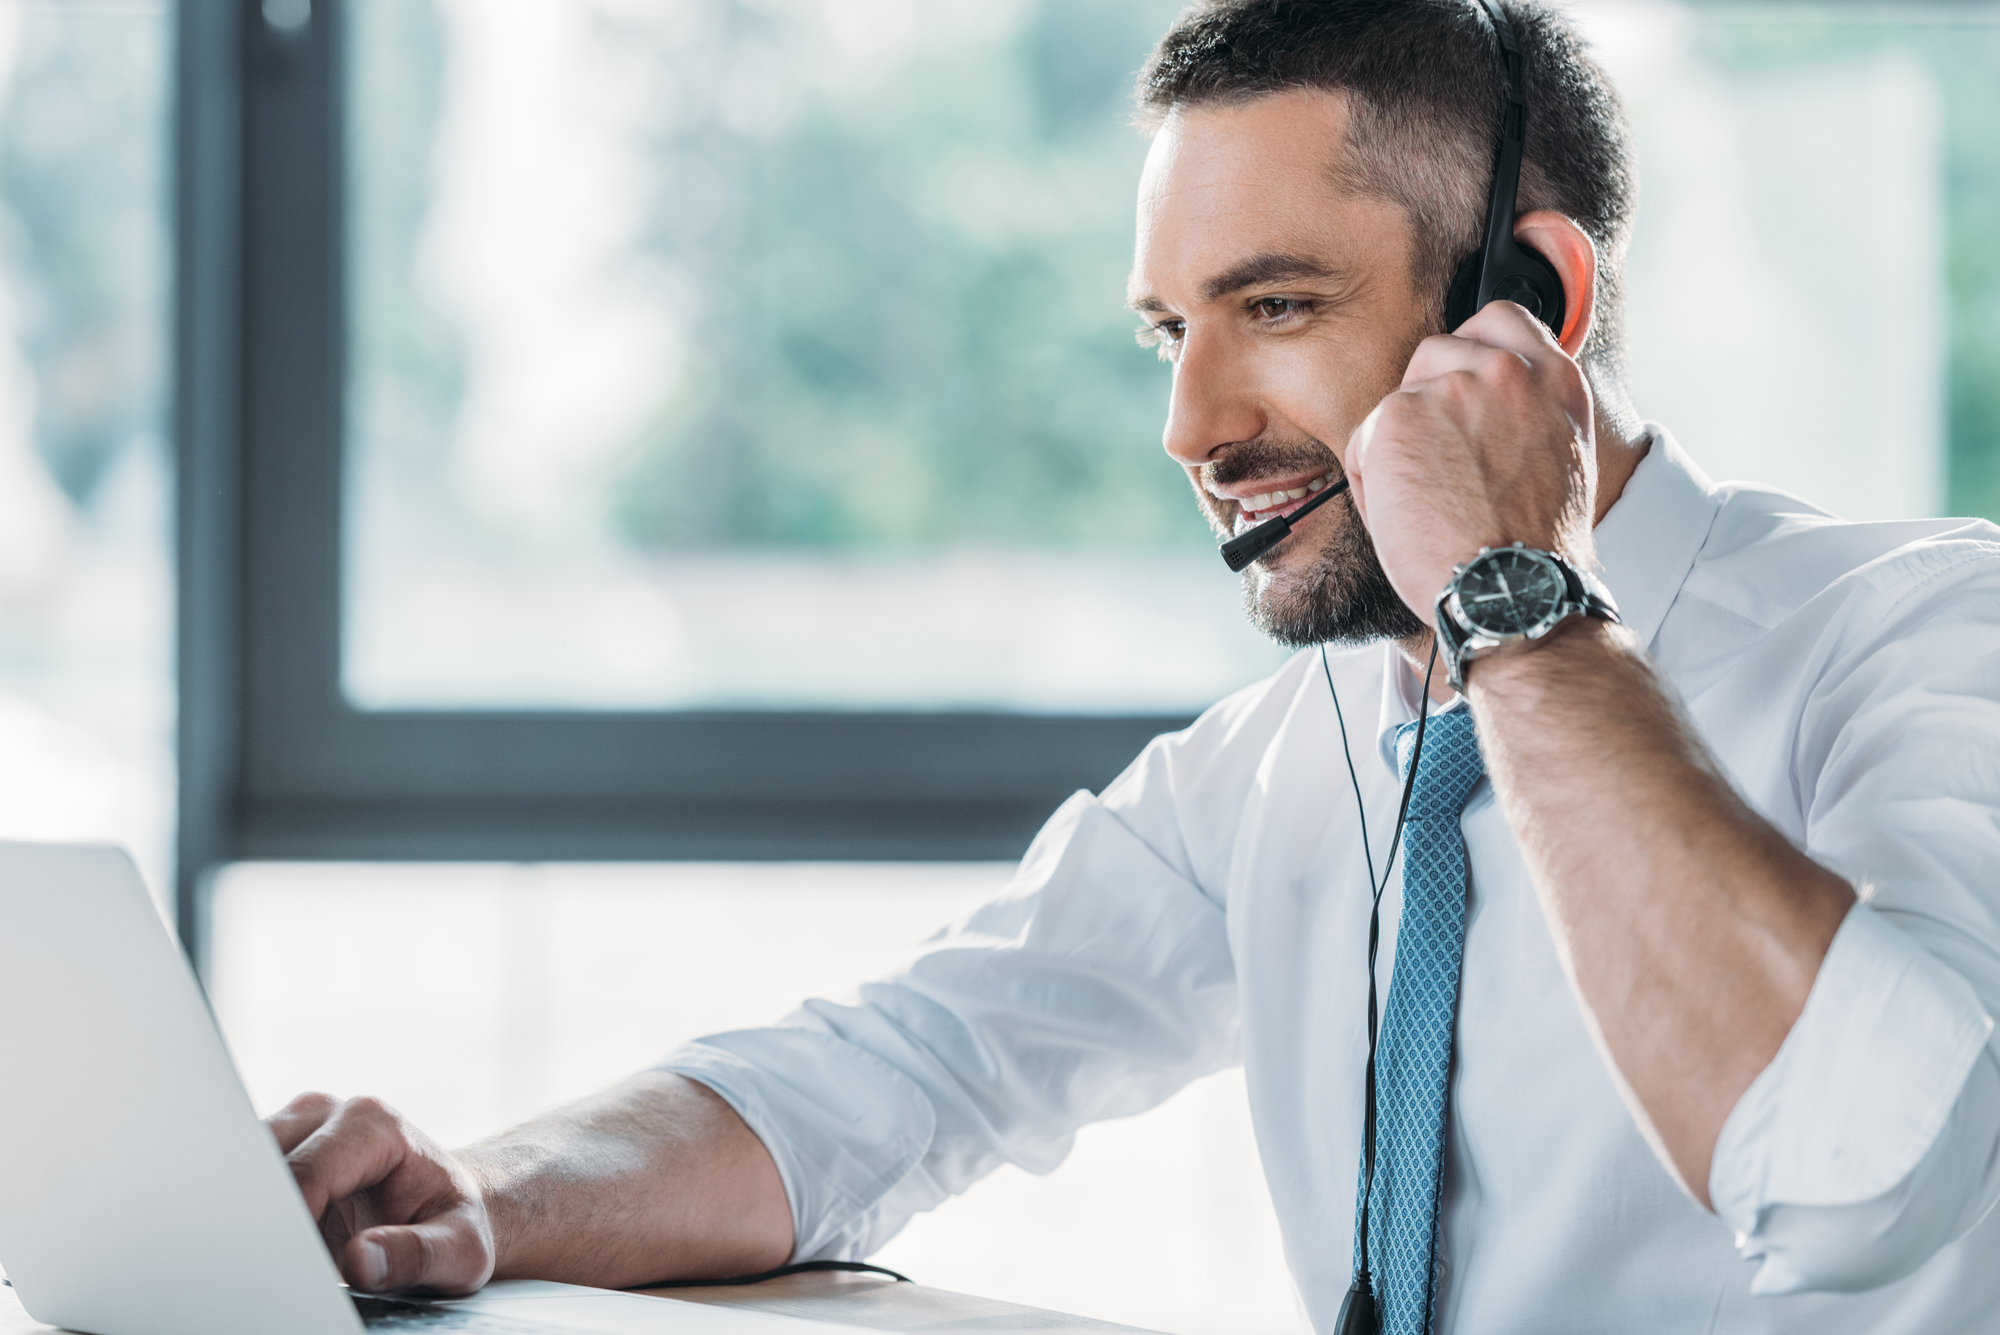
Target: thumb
[451, 1254]
[1353, 463]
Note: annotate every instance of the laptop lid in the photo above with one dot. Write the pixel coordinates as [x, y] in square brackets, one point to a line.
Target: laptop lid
[139, 1193]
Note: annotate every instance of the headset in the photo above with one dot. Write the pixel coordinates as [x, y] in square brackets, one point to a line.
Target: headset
[1501, 269]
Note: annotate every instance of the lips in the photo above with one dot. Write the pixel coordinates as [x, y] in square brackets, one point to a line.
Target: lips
[1255, 509]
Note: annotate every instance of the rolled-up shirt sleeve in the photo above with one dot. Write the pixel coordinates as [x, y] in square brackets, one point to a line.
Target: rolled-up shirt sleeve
[1098, 984]
[1872, 1140]
[1869, 1142]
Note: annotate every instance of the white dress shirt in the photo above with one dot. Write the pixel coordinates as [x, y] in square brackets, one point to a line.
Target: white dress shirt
[1211, 907]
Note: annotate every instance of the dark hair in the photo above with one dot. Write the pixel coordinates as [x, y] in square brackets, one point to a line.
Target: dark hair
[1426, 90]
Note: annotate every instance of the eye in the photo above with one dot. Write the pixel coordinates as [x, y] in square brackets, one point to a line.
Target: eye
[1277, 308]
[1165, 337]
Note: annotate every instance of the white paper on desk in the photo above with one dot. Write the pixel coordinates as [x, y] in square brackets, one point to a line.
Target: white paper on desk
[604, 1312]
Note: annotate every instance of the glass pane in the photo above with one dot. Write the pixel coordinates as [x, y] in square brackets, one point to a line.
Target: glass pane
[710, 353]
[1809, 179]
[718, 353]
[539, 984]
[86, 590]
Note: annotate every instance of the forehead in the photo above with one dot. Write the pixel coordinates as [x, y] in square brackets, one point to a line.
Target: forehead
[1224, 184]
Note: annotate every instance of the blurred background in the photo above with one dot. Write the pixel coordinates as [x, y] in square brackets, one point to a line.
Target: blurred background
[770, 354]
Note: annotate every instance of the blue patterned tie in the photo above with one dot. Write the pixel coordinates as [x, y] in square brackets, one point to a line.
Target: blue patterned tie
[1413, 1056]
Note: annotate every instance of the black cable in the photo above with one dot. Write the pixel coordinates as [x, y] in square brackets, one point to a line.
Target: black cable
[1352, 777]
[1375, 888]
[802, 1268]
[1416, 754]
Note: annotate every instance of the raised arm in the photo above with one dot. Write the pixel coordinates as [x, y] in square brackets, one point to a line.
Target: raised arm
[1691, 927]
[655, 1178]
[1692, 930]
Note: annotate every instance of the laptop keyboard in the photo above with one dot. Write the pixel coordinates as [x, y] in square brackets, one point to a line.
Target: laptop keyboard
[396, 1314]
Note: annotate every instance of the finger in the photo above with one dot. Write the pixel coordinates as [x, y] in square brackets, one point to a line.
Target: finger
[298, 1119]
[1495, 346]
[1354, 463]
[451, 1254]
[1447, 354]
[1503, 324]
[359, 1146]
[1500, 328]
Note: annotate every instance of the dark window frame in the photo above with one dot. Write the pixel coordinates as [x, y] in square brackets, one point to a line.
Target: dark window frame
[273, 761]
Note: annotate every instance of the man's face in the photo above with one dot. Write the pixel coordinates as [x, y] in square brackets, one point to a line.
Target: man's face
[1286, 308]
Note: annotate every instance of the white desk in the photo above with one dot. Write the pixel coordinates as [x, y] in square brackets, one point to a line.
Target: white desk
[857, 1300]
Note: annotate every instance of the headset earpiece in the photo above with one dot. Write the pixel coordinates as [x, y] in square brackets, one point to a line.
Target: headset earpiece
[1531, 282]
[1524, 278]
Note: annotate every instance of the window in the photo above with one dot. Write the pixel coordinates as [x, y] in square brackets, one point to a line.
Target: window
[716, 356]
[675, 430]
[704, 429]
[86, 581]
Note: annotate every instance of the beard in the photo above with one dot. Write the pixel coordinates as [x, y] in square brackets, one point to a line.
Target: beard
[1341, 595]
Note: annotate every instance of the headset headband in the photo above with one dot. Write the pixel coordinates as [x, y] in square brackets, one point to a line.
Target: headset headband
[1506, 270]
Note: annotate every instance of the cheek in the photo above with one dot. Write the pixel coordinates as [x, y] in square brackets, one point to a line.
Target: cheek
[1211, 508]
[1327, 385]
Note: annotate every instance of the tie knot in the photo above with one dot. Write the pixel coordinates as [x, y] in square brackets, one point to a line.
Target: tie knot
[1451, 764]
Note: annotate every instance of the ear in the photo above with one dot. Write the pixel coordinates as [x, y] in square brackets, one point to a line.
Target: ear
[1569, 251]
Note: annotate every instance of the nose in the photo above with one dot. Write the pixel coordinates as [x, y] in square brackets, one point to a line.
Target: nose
[1214, 403]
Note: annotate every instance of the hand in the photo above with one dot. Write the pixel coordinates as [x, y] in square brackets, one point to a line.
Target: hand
[397, 1212]
[1489, 441]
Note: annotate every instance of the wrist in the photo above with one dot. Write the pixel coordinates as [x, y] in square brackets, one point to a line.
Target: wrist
[1581, 645]
[484, 1175]
[1512, 598]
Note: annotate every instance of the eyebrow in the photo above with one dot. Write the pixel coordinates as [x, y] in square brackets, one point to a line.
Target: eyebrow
[1257, 271]
[1261, 270]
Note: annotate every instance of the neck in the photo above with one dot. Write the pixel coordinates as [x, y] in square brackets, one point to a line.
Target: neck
[1416, 651]
[1621, 443]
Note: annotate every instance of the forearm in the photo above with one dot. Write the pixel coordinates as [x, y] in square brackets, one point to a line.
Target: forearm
[1692, 930]
[656, 1178]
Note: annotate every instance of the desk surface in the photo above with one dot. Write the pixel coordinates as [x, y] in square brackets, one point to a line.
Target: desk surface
[857, 1300]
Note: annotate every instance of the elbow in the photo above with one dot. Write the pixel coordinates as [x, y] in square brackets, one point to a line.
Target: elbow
[1871, 1143]
[1854, 1247]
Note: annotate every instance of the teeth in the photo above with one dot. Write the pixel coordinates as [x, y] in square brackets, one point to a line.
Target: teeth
[1266, 500]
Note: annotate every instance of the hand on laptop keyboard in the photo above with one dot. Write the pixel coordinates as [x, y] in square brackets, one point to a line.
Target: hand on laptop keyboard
[396, 1210]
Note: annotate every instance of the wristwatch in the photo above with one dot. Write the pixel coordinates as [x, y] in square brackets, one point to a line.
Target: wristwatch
[1510, 595]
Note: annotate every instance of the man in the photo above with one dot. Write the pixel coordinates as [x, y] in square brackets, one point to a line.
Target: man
[1715, 1051]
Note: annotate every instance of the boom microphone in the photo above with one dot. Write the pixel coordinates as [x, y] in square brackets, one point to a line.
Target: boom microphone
[1241, 550]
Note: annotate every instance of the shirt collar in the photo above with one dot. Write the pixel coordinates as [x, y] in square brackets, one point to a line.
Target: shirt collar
[1646, 544]
[1402, 690]
[1648, 541]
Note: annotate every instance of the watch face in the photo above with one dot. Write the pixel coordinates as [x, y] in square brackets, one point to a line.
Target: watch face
[1509, 592]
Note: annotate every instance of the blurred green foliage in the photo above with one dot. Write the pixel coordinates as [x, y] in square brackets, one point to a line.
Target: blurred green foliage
[395, 97]
[909, 299]
[1963, 57]
[83, 214]
[904, 291]
[406, 368]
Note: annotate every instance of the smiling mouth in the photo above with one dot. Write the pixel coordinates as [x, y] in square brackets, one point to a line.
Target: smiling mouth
[1254, 510]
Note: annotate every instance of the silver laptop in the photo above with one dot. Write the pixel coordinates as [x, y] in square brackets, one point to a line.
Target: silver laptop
[140, 1194]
